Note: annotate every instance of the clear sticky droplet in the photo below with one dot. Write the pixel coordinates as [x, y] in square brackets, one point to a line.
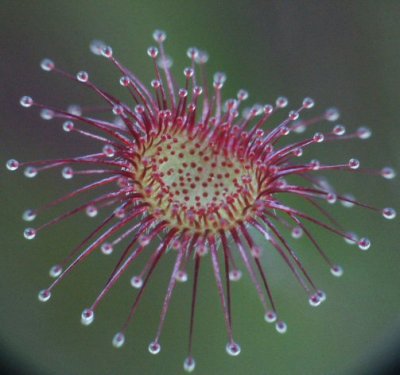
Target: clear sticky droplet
[346, 203]
[75, 109]
[281, 327]
[339, 130]
[281, 102]
[233, 349]
[30, 172]
[96, 47]
[87, 317]
[91, 211]
[109, 151]
[159, 36]
[47, 114]
[364, 243]
[12, 165]
[351, 238]
[336, 270]
[181, 276]
[67, 173]
[389, 213]
[235, 275]
[318, 137]
[118, 340]
[47, 65]
[321, 295]
[364, 133]
[137, 282]
[331, 198]
[29, 233]
[29, 215]
[68, 126]
[107, 52]
[314, 300]
[107, 248]
[388, 173]
[189, 364]
[44, 295]
[154, 347]
[270, 316]
[82, 76]
[308, 103]
[354, 164]
[55, 271]
[297, 232]
[332, 114]
[26, 101]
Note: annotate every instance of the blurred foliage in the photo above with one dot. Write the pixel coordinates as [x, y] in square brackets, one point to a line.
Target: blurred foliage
[342, 53]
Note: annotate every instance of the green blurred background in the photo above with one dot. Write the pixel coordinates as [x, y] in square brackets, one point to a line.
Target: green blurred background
[342, 53]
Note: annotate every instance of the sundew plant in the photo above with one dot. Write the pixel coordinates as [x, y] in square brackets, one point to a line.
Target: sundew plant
[194, 176]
